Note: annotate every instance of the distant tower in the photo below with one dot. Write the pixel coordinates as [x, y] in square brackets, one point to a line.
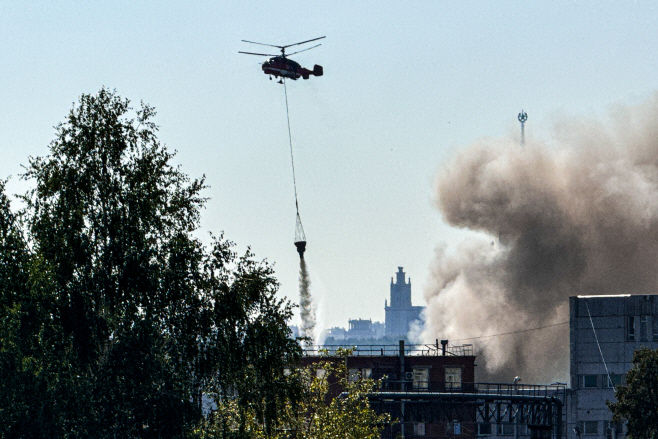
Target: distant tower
[400, 290]
[400, 314]
[522, 118]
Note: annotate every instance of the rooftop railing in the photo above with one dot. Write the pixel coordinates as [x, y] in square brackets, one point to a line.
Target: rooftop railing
[393, 350]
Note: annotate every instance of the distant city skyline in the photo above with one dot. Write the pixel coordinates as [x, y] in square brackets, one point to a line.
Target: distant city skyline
[406, 88]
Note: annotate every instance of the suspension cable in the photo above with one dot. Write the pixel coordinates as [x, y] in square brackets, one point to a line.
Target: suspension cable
[292, 159]
[598, 344]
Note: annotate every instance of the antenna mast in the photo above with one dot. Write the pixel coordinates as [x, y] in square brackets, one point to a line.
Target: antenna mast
[522, 118]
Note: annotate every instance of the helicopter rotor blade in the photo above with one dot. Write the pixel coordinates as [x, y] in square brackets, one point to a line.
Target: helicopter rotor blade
[303, 42]
[304, 50]
[263, 44]
[259, 54]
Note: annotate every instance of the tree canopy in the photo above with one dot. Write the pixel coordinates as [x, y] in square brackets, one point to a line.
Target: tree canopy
[316, 415]
[349, 415]
[637, 401]
[116, 320]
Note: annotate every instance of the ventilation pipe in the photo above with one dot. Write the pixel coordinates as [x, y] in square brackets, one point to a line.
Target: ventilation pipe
[444, 346]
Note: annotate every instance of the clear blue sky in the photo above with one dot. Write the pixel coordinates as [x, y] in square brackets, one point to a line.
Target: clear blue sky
[406, 86]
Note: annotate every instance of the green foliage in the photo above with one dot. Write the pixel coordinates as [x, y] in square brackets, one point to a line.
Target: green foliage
[348, 415]
[115, 318]
[19, 313]
[637, 401]
[316, 415]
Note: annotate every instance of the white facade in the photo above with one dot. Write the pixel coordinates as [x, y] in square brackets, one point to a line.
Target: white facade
[604, 331]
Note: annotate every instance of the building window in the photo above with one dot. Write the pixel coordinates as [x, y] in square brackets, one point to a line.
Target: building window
[612, 381]
[419, 429]
[644, 328]
[589, 427]
[454, 428]
[356, 374]
[523, 430]
[453, 378]
[654, 320]
[631, 328]
[590, 381]
[505, 430]
[613, 430]
[484, 429]
[320, 373]
[421, 378]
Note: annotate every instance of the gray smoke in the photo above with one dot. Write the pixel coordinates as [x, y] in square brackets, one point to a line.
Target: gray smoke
[305, 302]
[578, 216]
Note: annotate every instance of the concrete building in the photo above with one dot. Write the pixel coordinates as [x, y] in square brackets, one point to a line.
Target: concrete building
[364, 329]
[400, 314]
[604, 331]
[430, 389]
[398, 319]
[413, 376]
[335, 333]
[360, 330]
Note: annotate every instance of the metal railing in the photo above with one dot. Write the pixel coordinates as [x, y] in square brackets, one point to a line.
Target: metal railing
[411, 386]
[500, 389]
[391, 350]
[503, 389]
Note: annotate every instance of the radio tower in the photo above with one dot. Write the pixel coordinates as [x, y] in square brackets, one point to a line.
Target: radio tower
[522, 118]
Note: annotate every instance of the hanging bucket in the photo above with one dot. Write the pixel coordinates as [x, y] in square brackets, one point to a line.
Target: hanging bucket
[301, 248]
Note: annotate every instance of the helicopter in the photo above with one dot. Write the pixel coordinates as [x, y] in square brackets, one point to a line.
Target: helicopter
[281, 65]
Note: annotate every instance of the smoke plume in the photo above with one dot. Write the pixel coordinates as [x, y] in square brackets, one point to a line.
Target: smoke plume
[576, 217]
[305, 302]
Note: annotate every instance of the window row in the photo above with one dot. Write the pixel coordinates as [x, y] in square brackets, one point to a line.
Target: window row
[612, 430]
[454, 428]
[487, 429]
[604, 381]
[421, 378]
[642, 328]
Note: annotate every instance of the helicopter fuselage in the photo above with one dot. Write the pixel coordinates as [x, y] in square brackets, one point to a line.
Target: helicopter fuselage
[287, 68]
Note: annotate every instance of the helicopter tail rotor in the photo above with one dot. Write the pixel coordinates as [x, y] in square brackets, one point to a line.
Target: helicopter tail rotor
[317, 70]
